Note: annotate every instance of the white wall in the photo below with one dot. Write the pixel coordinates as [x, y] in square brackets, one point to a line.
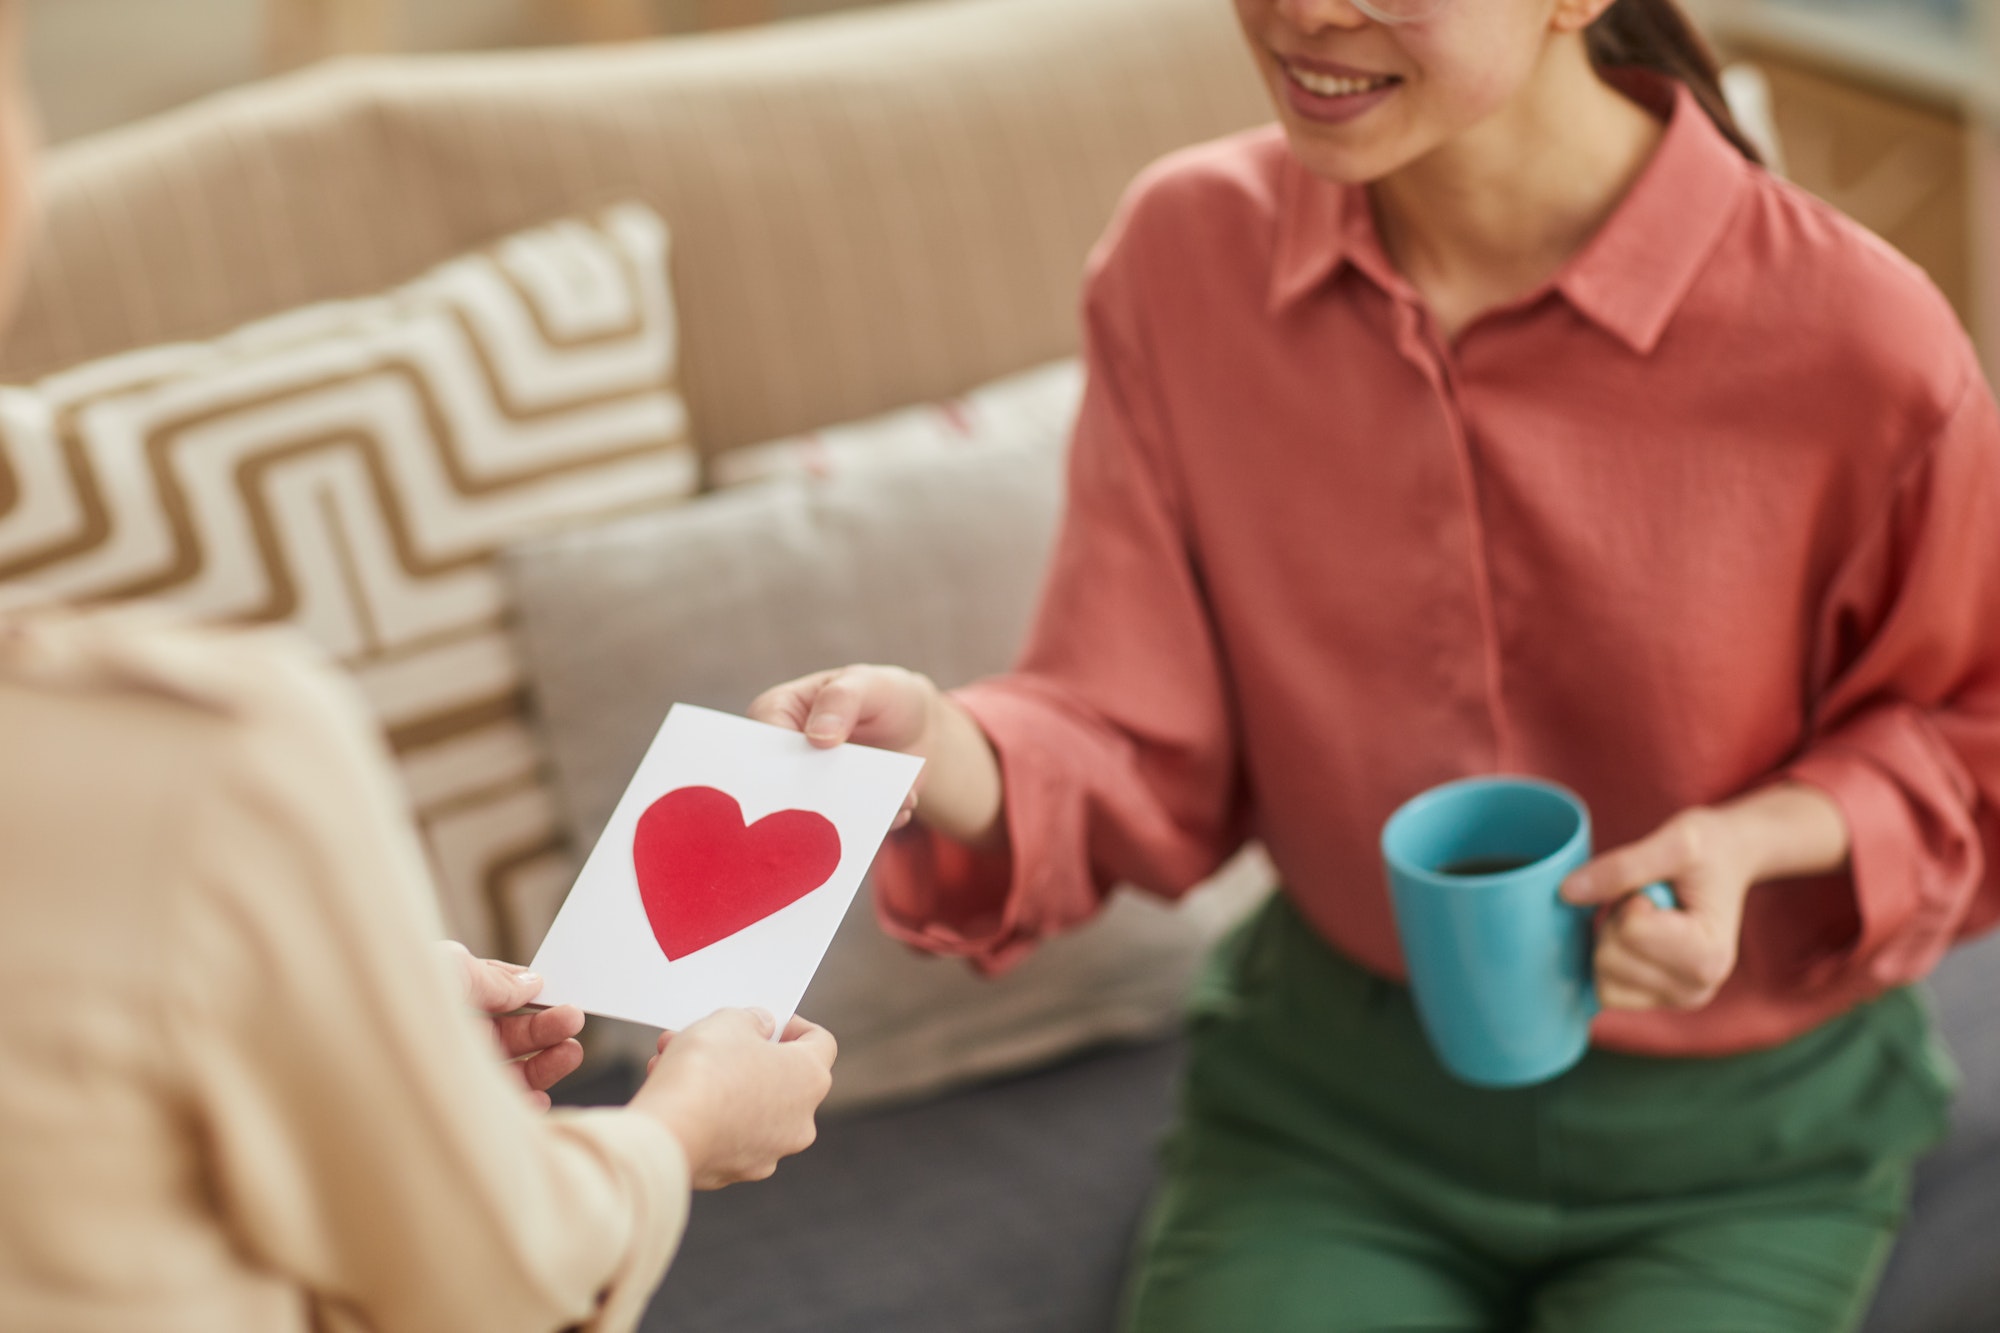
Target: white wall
[98, 63]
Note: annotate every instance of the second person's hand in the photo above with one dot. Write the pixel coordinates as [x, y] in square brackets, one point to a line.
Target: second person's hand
[737, 1101]
[541, 1047]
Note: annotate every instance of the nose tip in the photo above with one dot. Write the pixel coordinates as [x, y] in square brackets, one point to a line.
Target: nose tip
[1310, 16]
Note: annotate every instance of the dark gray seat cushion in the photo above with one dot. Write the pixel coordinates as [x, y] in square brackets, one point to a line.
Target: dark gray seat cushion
[1006, 1209]
[1945, 1274]
[1010, 1208]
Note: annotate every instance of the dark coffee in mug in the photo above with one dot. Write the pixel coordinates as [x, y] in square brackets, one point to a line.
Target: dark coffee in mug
[1484, 865]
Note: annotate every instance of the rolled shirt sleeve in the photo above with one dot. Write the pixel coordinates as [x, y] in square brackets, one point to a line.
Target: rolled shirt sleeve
[364, 1140]
[1907, 733]
[1114, 735]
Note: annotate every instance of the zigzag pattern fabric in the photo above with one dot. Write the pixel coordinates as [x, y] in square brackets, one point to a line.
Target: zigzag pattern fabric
[353, 468]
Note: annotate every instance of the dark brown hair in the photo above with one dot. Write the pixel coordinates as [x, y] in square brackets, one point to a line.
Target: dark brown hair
[1654, 35]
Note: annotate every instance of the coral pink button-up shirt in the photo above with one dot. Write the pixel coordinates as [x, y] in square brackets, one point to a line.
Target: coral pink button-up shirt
[1718, 506]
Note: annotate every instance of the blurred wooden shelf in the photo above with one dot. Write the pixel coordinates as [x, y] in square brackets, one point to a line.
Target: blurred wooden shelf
[602, 20]
[1899, 52]
[299, 32]
[1897, 123]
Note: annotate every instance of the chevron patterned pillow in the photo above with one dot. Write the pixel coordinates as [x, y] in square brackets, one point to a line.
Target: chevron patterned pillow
[352, 468]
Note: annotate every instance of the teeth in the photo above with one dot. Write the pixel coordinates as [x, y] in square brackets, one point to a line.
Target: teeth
[1329, 85]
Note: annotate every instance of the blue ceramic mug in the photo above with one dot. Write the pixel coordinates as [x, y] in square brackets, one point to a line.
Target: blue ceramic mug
[1499, 964]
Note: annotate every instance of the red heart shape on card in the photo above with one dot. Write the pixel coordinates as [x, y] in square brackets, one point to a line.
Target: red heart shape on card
[703, 876]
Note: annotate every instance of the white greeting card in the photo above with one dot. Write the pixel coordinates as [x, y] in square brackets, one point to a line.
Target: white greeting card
[723, 873]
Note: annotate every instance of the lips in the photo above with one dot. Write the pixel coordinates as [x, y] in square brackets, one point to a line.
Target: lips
[1333, 93]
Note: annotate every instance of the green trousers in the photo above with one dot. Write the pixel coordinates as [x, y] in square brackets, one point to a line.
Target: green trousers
[1326, 1174]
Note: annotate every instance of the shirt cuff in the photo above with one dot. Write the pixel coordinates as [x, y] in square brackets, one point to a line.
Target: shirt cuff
[1901, 888]
[651, 1165]
[992, 907]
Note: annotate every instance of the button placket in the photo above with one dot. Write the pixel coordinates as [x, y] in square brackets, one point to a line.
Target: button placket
[1421, 343]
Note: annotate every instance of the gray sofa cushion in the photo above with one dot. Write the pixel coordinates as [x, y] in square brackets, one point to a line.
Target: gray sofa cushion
[928, 556]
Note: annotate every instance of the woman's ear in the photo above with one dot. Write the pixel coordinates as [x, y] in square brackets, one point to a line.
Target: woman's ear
[1576, 15]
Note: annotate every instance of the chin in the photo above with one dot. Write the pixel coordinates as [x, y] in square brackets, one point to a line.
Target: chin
[1348, 163]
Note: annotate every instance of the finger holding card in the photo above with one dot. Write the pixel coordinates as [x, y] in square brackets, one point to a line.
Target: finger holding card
[723, 873]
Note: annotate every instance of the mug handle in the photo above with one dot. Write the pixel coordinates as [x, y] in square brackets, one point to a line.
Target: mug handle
[1661, 894]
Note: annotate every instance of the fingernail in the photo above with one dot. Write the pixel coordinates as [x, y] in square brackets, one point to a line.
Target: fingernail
[765, 1019]
[825, 728]
[528, 978]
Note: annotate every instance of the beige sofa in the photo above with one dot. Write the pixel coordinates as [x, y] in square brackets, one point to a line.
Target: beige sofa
[867, 211]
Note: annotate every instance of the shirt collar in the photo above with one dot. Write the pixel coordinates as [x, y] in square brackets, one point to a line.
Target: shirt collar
[1629, 278]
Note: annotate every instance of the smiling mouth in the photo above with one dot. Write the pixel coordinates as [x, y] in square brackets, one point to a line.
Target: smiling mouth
[1336, 85]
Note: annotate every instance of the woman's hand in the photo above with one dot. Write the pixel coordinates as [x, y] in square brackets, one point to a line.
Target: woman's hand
[736, 1100]
[893, 709]
[1651, 958]
[541, 1047]
[883, 706]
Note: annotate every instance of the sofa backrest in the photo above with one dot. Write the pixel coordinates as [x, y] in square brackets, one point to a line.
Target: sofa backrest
[872, 209]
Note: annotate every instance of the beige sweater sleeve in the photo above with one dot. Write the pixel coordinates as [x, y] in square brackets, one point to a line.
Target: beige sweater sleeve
[365, 1140]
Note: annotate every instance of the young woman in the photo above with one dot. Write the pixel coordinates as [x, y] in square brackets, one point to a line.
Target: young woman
[1497, 412]
[243, 1092]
